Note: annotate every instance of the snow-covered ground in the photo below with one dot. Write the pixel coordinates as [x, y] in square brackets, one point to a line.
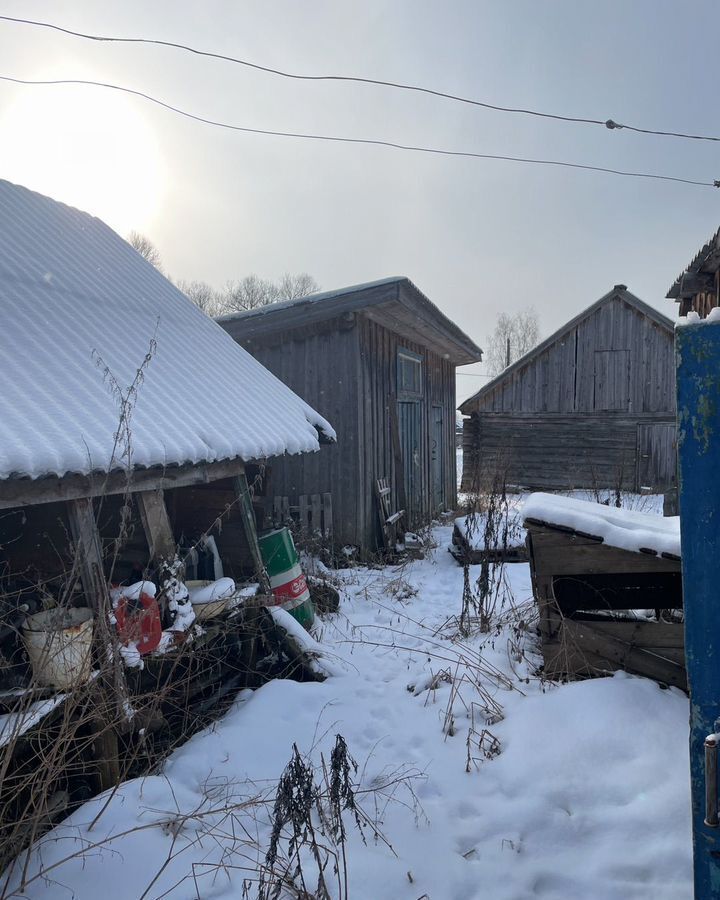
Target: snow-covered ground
[587, 797]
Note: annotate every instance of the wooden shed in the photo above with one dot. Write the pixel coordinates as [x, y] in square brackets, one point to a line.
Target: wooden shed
[379, 360]
[697, 289]
[131, 424]
[591, 406]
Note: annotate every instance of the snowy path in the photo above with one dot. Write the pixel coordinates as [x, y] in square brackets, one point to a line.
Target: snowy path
[588, 797]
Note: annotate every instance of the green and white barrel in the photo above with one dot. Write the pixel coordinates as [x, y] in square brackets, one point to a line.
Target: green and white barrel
[289, 587]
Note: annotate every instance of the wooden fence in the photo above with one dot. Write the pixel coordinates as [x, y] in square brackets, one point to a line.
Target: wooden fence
[312, 515]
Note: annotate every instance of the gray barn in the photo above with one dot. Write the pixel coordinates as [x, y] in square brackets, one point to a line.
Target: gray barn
[591, 406]
[379, 360]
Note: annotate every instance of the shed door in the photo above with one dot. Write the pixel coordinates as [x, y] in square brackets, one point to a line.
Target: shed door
[437, 453]
[409, 426]
[657, 456]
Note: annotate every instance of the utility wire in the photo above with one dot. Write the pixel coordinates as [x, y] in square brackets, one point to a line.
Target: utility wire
[354, 140]
[605, 123]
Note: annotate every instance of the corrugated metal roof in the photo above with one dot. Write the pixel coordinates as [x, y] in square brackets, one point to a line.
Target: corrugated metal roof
[80, 311]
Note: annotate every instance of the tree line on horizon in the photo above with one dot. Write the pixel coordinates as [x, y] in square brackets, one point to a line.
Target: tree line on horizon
[249, 292]
[514, 334]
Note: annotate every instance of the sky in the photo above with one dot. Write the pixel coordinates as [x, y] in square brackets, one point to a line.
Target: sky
[479, 237]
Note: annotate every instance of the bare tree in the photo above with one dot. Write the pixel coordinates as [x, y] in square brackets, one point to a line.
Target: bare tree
[252, 292]
[291, 287]
[513, 337]
[145, 248]
[203, 295]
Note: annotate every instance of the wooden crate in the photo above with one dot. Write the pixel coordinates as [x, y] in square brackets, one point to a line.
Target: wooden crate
[581, 585]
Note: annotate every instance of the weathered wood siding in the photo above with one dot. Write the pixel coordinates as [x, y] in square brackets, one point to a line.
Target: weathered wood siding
[321, 363]
[615, 360]
[346, 368]
[572, 416]
[552, 452]
[379, 390]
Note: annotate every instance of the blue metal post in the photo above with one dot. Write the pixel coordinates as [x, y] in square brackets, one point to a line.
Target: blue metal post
[697, 351]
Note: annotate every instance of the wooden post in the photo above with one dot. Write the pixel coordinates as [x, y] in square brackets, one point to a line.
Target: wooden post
[88, 556]
[156, 525]
[242, 491]
[88, 549]
[252, 614]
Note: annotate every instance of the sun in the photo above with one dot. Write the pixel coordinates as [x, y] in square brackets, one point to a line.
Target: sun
[89, 147]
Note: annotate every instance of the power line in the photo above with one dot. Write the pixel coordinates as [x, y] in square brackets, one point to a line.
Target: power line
[355, 140]
[609, 124]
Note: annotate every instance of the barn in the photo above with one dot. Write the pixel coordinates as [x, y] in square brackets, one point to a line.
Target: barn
[591, 406]
[378, 360]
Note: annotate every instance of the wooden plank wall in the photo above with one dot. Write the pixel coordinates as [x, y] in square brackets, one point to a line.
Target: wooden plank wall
[553, 452]
[562, 378]
[321, 364]
[346, 368]
[569, 418]
[378, 353]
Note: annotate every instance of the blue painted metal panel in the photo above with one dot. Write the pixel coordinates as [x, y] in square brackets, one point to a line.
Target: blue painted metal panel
[697, 351]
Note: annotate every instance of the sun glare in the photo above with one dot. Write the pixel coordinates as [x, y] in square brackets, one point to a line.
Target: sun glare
[90, 149]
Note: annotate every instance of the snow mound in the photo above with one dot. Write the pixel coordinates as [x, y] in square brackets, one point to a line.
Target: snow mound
[621, 528]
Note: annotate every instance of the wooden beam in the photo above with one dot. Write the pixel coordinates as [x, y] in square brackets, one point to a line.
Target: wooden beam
[242, 491]
[88, 549]
[156, 525]
[16, 492]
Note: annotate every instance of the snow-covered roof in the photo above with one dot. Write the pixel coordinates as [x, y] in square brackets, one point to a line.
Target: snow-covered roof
[80, 311]
[622, 528]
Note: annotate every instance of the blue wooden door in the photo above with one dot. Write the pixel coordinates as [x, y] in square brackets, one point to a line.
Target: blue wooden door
[697, 349]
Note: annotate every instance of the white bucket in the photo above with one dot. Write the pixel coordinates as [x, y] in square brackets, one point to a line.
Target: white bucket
[209, 604]
[59, 644]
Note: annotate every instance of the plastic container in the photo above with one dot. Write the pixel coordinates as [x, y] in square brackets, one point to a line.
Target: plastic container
[59, 644]
[289, 587]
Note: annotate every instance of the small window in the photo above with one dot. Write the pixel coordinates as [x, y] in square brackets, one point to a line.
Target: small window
[409, 374]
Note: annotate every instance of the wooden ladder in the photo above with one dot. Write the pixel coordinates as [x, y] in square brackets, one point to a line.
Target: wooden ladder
[390, 522]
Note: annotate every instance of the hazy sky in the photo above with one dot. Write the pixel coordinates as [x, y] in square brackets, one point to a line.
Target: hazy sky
[478, 237]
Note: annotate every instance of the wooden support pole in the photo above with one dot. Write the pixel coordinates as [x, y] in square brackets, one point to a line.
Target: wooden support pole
[89, 561]
[242, 491]
[156, 525]
[88, 549]
[252, 615]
